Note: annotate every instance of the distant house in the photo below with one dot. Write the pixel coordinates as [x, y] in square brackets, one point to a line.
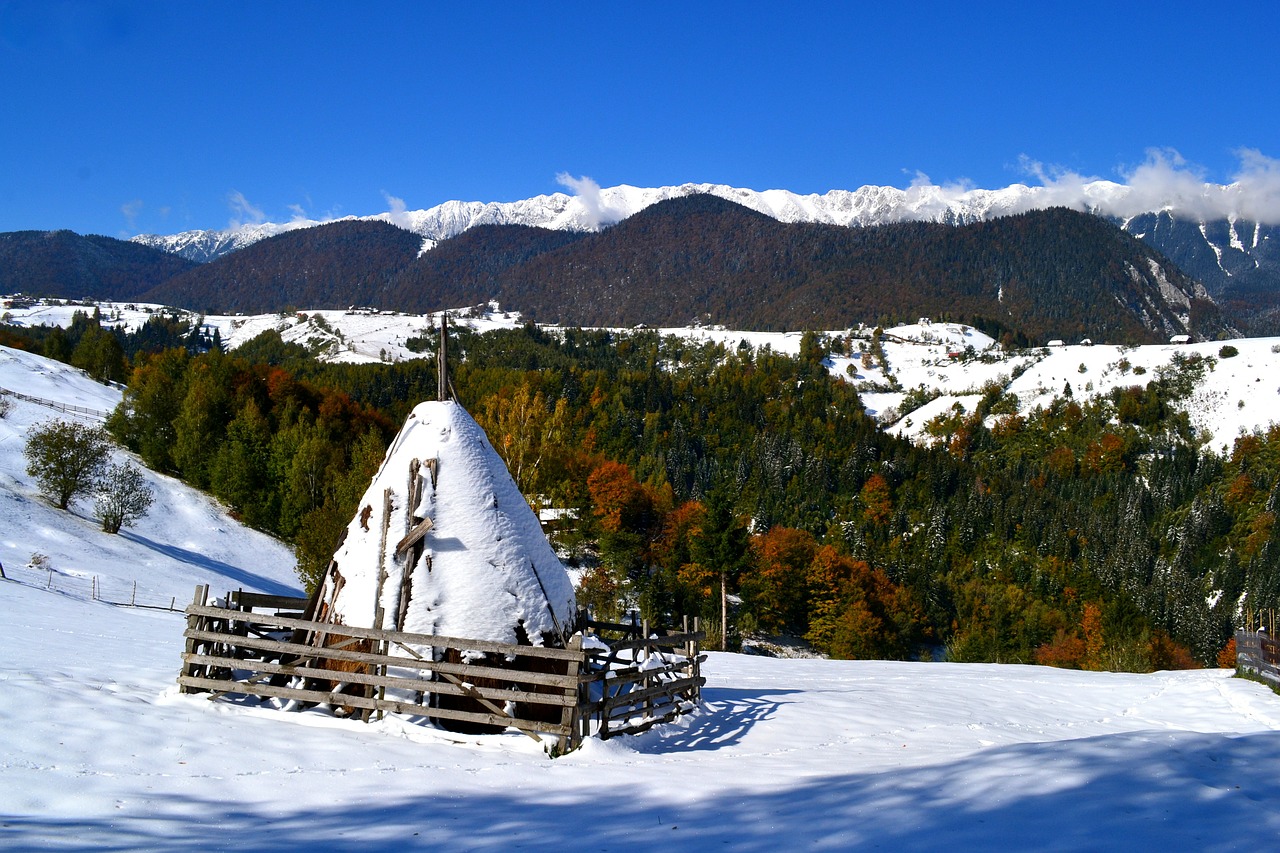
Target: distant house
[1180, 339]
[1056, 343]
[1086, 342]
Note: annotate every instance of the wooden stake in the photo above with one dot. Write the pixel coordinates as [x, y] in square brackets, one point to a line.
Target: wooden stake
[382, 559]
[442, 368]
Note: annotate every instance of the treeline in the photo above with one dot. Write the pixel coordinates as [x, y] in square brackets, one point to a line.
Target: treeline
[1043, 274]
[328, 266]
[75, 266]
[105, 352]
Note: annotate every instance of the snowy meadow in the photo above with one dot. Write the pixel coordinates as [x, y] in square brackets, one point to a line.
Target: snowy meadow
[100, 752]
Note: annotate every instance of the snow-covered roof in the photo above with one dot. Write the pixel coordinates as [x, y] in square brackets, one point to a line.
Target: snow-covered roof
[483, 568]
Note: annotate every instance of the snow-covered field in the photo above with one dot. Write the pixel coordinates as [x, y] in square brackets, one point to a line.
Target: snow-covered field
[99, 752]
[186, 539]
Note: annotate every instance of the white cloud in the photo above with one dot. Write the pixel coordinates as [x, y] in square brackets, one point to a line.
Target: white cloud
[1165, 181]
[242, 211]
[596, 212]
[130, 210]
[1259, 186]
[396, 214]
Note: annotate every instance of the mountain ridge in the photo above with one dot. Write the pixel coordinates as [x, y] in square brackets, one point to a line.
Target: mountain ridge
[1217, 236]
[1042, 274]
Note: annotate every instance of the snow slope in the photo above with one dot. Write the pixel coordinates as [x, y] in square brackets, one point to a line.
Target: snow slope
[186, 539]
[100, 753]
[1235, 396]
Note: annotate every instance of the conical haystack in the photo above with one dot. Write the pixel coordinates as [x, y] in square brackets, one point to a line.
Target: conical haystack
[444, 543]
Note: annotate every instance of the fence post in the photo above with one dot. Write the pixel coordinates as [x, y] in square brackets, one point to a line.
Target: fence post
[569, 715]
[195, 622]
[697, 666]
[644, 679]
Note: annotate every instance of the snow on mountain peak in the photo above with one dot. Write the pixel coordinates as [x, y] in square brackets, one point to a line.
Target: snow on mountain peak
[1151, 189]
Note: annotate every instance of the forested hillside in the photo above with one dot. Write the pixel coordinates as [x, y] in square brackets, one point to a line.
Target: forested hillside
[1039, 275]
[335, 265]
[1096, 535]
[66, 264]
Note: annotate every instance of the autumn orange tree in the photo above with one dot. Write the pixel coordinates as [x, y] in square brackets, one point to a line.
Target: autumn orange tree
[777, 586]
[857, 612]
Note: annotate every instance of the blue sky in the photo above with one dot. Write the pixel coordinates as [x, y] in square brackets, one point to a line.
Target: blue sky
[121, 118]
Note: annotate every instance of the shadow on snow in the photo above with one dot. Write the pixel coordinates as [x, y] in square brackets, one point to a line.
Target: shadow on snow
[1135, 791]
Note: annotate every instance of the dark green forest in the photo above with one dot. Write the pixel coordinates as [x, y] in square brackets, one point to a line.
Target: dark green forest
[1086, 534]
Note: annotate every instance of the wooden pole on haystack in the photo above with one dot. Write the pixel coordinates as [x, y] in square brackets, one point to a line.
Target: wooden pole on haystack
[442, 366]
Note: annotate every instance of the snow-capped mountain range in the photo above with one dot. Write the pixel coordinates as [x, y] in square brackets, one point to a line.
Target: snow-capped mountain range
[1220, 234]
[594, 208]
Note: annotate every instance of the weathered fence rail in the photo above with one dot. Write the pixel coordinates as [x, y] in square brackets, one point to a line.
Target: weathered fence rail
[591, 687]
[118, 591]
[1258, 652]
[55, 404]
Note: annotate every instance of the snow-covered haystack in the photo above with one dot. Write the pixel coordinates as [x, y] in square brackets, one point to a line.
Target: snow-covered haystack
[444, 543]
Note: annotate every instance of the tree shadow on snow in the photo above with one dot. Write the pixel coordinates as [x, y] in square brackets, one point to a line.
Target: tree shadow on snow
[1151, 790]
[726, 715]
[232, 573]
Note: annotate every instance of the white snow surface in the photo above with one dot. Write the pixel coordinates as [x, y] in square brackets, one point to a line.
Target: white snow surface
[99, 752]
[487, 566]
[187, 538]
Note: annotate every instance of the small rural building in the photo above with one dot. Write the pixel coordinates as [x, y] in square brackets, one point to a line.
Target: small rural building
[1056, 343]
[1180, 339]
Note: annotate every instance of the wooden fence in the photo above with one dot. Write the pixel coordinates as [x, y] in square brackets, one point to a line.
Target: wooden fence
[56, 404]
[592, 687]
[1258, 652]
[119, 591]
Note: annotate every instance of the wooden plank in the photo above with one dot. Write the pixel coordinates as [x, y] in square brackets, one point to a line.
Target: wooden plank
[669, 688]
[636, 673]
[382, 558]
[640, 728]
[421, 529]
[439, 641]
[669, 641]
[389, 705]
[396, 682]
[471, 691]
[240, 598]
[619, 627]
[194, 622]
[469, 671]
